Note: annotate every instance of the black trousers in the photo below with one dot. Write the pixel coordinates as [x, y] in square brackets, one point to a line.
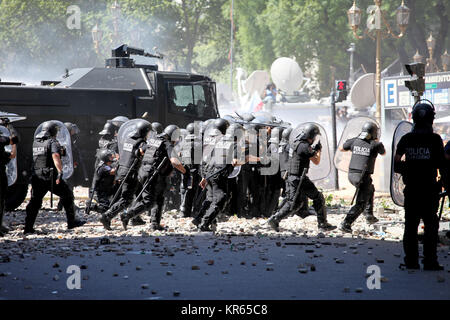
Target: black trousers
[188, 190]
[271, 190]
[125, 198]
[216, 197]
[307, 189]
[242, 195]
[39, 189]
[364, 199]
[421, 203]
[152, 199]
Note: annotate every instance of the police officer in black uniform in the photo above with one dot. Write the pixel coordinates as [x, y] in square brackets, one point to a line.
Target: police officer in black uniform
[108, 139]
[190, 181]
[152, 198]
[424, 156]
[365, 149]
[104, 181]
[128, 165]
[300, 155]
[214, 160]
[47, 165]
[5, 157]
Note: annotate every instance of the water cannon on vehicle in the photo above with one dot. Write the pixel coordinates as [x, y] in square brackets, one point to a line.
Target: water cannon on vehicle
[121, 58]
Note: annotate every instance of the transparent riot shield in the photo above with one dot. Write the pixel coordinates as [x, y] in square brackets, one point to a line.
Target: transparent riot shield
[397, 185]
[11, 167]
[64, 140]
[351, 130]
[126, 131]
[323, 169]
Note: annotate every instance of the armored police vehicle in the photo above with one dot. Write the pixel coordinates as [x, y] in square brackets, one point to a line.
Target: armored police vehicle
[89, 97]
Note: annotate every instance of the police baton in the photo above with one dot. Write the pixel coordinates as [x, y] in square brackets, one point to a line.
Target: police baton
[442, 195]
[358, 186]
[150, 179]
[302, 178]
[91, 192]
[119, 190]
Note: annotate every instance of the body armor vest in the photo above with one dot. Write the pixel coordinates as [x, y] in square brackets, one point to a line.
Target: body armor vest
[362, 157]
[297, 162]
[153, 156]
[42, 159]
[104, 183]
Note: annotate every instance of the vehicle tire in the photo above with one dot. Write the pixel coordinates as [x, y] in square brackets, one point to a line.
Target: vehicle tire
[15, 196]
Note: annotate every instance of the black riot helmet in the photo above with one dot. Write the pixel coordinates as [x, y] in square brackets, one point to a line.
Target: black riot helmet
[369, 131]
[423, 113]
[157, 127]
[311, 131]
[286, 133]
[142, 129]
[108, 129]
[229, 118]
[49, 129]
[105, 155]
[190, 128]
[221, 125]
[72, 127]
[119, 121]
[172, 133]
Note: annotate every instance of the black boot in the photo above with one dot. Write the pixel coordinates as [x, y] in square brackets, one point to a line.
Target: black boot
[274, 223]
[3, 230]
[325, 226]
[137, 221]
[106, 221]
[432, 266]
[75, 224]
[346, 227]
[125, 220]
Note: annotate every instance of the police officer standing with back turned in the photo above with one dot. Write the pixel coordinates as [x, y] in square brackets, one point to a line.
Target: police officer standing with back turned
[300, 154]
[127, 171]
[47, 153]
[5, 157]
[104, 180]
[423, 151]
[365, 149]
[189, 184]
[154, 152]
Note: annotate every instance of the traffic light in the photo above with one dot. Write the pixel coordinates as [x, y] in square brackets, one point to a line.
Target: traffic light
[341, 88]
[417, 84]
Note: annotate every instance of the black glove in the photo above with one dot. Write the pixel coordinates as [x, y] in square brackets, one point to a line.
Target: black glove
[15, 140]
[62, 151]
[318, 146]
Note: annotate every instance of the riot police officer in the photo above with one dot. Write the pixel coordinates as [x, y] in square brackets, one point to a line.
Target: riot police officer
[5, 157]
[191, 179]
[104, 181]
[216, 160]
[157, 127]
[126, 173]
[47, 174]
[365, 149]
[424, 156]
[155, 152]
[108, 139]
[300, 154]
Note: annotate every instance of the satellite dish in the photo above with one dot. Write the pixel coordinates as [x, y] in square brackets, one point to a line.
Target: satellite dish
[362, 94]
[287, 75]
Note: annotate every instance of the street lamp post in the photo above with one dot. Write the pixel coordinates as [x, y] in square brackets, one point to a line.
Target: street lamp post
[445, 58]
[431, 63]
[374, 23]
[97, 36]
[352, 50]
[116, 11]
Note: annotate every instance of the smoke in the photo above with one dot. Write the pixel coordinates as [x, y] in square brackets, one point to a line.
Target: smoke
[43, 50]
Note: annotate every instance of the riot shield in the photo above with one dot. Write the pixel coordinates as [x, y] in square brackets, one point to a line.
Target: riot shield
[11, 167]
[352, 130]
[126, 131]
[64, 140]
[397, 185]
[323, 169]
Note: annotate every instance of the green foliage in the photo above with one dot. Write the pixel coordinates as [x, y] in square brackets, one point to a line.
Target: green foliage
[194, 35]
